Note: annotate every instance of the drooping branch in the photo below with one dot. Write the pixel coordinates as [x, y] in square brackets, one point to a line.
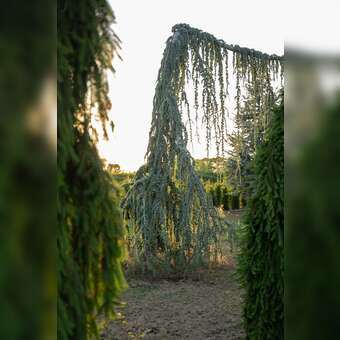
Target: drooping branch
[90, 226]
[205, 61]
[172, 214]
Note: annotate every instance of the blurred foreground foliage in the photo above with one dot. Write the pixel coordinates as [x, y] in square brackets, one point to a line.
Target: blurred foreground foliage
[312, 257]
[27, 171]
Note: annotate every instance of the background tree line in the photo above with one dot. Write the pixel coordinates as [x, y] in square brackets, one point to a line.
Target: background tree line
[214, 174]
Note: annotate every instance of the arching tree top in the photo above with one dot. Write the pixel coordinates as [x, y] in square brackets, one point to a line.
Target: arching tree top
[202, 71]
[201, 35]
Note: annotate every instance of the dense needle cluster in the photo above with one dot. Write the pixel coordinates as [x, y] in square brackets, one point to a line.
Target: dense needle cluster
[262, 240]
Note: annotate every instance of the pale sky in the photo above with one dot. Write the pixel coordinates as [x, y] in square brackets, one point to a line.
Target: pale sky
[143, 27]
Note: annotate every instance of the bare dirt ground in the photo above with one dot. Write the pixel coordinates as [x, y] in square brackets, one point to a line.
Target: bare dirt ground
[205, 307]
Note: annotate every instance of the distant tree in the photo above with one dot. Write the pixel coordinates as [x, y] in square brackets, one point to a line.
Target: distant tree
[218, 195]
[113, 168]
[234, 201]
[225, 200]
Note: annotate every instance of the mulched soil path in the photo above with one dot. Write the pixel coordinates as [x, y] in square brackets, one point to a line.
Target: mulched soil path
[205, 307]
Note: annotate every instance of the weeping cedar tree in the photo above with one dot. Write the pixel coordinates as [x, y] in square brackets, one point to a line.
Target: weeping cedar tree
[89, 220]
[172, 215]
[261, 253]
